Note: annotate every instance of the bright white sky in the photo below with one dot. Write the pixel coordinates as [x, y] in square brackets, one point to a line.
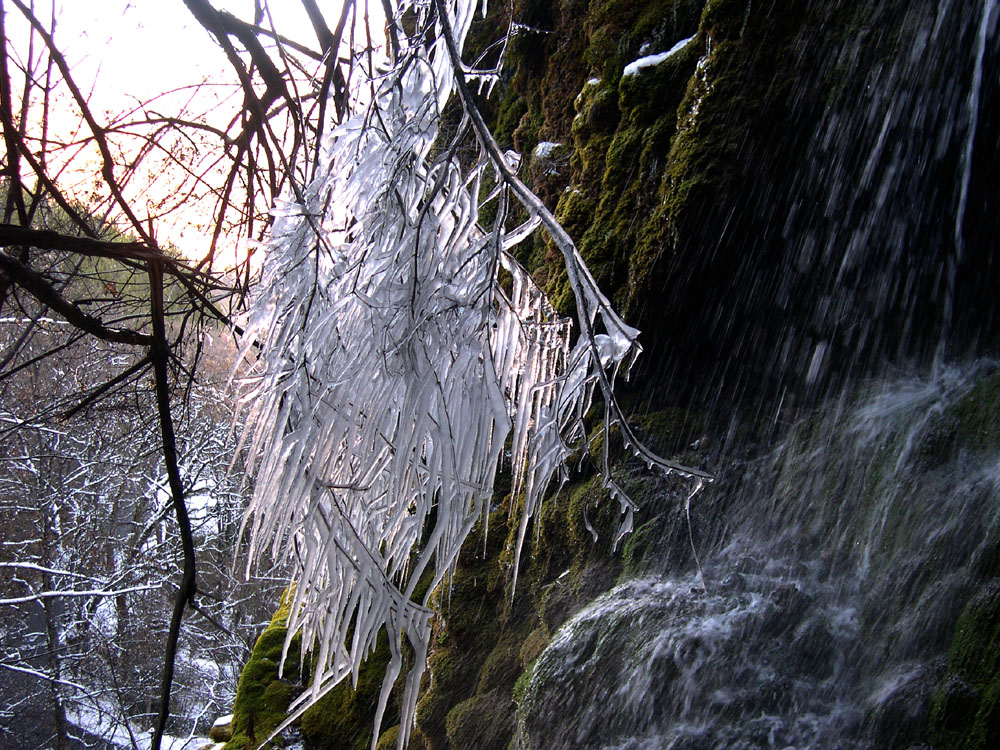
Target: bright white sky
[144, 47]
[123, 52]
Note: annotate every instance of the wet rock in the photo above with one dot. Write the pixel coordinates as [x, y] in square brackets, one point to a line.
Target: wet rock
[222, 729]
[899, 713]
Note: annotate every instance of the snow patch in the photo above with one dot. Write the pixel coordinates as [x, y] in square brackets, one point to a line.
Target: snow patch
[26, 321]
[107, 723]
[223, 721]
[544, 149]
[650, 61]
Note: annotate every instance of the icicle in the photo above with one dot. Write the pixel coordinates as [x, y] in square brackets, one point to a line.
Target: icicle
[393, 367]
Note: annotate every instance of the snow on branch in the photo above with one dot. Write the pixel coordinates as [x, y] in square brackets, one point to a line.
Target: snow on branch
[388, 365]
[74, 592]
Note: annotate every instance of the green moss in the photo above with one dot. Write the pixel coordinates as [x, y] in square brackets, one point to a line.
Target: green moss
[593, 125]
[512, 109]
[726, 18]
[977, 417]
[521, 685]
[525, 135]
[533, 645]
[387, 740]
[618, 31]
[970, 425]
[451, 673]
[574, 211]
[484, 722]
[637, 548]
[221, 732]
[503, 664]
[344, 718]
[966, 711]
[262, 696]
[618, 129]
[622, 135]
[746, 55]
[468, 628]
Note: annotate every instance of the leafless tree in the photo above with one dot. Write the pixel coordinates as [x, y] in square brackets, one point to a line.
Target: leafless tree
[89, 547]
[82, 263]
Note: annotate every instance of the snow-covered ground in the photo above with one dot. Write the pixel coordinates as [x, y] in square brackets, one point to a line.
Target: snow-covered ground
[110, 727]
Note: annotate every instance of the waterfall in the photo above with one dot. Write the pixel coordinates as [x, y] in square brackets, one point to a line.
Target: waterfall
[852, 595]
[986, 22]
[831, 604]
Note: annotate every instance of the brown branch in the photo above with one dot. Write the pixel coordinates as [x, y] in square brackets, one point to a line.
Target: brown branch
[43, 291]
[45, 239]
[159, 353]
[108, 166]
[334, 76]
[39, 169]
[393, 35]
[284, 40]
[121, 251]
[223, 25]
[15, 191]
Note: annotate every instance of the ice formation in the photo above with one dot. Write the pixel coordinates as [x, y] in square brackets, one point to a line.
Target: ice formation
[389, 364]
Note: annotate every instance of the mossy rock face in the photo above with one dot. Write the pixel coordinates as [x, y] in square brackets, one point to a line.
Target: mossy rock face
[532, 646]
[966, 712]
[619, 31]
[344, 718]
[388, 739]
[548, 170]
[468, 628]
[484, 722]
[503, 664]
[262, 696]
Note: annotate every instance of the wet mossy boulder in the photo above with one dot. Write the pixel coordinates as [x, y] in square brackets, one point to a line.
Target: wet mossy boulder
[970, 427]
[898, 716]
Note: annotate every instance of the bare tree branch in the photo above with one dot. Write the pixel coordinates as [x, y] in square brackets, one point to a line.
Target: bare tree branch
[159, 353]
[44, 292]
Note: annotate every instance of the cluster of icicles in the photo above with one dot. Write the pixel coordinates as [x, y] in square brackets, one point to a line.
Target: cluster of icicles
[389, 365]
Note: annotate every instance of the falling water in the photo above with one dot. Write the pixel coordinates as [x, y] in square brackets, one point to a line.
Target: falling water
[846, 555]
[987, 20]
[830, 606]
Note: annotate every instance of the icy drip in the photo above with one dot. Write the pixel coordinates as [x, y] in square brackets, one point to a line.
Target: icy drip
[829, 609]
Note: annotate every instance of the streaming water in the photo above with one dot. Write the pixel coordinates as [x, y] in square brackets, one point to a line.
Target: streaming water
[839, 561]
[830, 606]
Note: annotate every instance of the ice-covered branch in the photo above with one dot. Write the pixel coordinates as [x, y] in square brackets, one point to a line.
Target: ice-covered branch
[72, 592]
[389, 365]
